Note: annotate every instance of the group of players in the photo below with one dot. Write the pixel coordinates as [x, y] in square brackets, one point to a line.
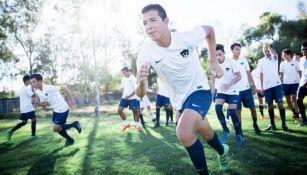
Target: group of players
[183, 84]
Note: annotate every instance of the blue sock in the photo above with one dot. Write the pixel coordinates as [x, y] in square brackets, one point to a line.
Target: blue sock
[64, 134]
[261, 109]
[33, 128]
[221, 116]
[271, 114]
[142, 120]
[302, 109]
[67, 126]
[216, 144]
[282, 113]
[157, 116]
[235, 121]
[167, 111]
[19, 125]
[197, 155]
[171, 114]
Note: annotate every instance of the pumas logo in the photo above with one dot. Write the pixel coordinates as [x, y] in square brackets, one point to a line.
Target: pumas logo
[46, 94]
[242, 63]
[158, 61]
[292, 64]
[184, 53]
[227, 68]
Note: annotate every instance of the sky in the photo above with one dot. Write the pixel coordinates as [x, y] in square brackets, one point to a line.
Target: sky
[226, 16]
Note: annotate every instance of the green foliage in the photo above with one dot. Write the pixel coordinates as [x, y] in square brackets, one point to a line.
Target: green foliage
[7, 94]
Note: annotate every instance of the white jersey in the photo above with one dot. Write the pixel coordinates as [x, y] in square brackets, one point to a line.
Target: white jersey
[129, 85]
[144, 102]
[162, 89]
[230, 68]
[290, 71]
[256, 77]
[243, 84]
[51, 94]
[178, 65]
[269, 68]
[303, 66]
[25, 100]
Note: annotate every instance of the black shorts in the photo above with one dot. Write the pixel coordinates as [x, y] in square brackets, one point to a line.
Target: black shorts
[26, 116]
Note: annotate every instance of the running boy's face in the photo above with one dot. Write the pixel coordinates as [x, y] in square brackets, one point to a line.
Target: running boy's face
[126, 73]
[36, 83]
[236, 51]
[266, 52]
[220, 56]
[155, 27]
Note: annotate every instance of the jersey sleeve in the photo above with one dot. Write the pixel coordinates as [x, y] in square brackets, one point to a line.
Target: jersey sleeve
[281, 68]
[142, 58]
[195, 37]
[247, 68]
[260, 66]
[52, 88]
[29, 92]
[298, 67]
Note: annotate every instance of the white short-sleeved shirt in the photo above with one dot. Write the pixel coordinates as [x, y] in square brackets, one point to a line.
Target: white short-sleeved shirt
[243, 84]
[51, 94]
[230, 68]
[290, 71]
[178, 65]
[129, 85]
[162, 89]
[26, 99]
[303, 67]
[256, 76]
[269, 68]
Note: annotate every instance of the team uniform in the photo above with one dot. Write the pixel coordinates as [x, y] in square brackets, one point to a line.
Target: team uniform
[302, 91]
[129, 85]
[162, 99]
[51, 94]
[26, 111]
[230, 96]
[291, 77]
[179, 69]
[272, 87]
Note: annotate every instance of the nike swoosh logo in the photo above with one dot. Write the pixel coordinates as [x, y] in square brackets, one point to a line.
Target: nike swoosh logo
[158, 61]
[194, 105]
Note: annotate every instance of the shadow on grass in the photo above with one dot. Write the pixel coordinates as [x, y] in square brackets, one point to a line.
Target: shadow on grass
[5, 147]
[45, 165]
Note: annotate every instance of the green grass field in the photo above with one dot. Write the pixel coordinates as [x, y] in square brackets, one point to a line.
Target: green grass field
[102, 149]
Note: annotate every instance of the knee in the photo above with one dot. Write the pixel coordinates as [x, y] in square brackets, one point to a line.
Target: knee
[280, 106]
[208, 135]
[24, 122]
[57, 128]
[119, 110]
[33, 120]
[270, 106]
[183, 136]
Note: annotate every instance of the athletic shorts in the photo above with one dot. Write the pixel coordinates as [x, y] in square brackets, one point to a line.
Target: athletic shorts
[246, 97]
[290, 89]
[273, 93]
[26, 116]
[133, 104]
[59, 118]
[230, 99]
[162, 101]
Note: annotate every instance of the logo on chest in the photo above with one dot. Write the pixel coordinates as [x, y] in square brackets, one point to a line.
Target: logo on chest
[292, 64]
[227, 69]
[184, 53]
[242, 63]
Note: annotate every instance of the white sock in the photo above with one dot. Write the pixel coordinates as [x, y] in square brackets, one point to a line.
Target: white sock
[125, 122]
[151, 115]
[137, 124]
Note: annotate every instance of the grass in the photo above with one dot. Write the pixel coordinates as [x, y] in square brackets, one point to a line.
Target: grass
[102, 149]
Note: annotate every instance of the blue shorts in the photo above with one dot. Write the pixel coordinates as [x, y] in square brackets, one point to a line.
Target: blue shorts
[133, 104]
[230, 99]
[59, 118]
[273, 93]
[302, 91]
[290, 89]
[246, 97]
[162, 101]
[198, 101]
[26, 116]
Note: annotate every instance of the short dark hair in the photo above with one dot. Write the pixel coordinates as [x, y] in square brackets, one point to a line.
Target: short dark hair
[37, 77]
[288, 52]
[130, 70]
[234, 45]
[157, 7]
[298, 53]
[26, 78]
[220, 47]
[304, 44]
[125, 69]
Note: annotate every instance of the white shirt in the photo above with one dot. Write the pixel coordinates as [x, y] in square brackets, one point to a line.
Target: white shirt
[256, 77]
[129, 85]
[51, 94]
[243, 84]
[162, 89]
[26, 100]
[178, 65]
[303, 66]
[269, 68]
[230, 68]
[290, 71]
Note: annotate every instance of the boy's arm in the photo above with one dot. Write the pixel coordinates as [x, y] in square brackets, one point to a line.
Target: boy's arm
[251, 81]
[70, 98]
[142, 80]
[272, 51]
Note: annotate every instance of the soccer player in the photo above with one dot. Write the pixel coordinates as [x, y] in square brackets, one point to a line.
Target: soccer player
[51, 94]
[162, 99]
[245, 94]
[271, 85]
[302, 91]
[26, 109]
[174, 58]
[256, 77]
[297, 56]
[290, 76]
[227, 92]
[129, 99]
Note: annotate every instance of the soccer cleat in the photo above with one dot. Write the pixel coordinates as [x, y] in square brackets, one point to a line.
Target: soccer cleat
[223, 159]
[302, 123]
[125, 127]
[270, 128]
[33, 136]
[224, 136]
[157, 126]
[256, 128]
[239, 140]
[69, 143]
[138, 129]
[78, 127]
[9, 134]
[285, 128]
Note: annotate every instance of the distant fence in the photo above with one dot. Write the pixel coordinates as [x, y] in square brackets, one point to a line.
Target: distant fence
[8, 105]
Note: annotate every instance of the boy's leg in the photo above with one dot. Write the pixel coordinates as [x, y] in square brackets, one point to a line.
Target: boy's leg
[33, 125]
